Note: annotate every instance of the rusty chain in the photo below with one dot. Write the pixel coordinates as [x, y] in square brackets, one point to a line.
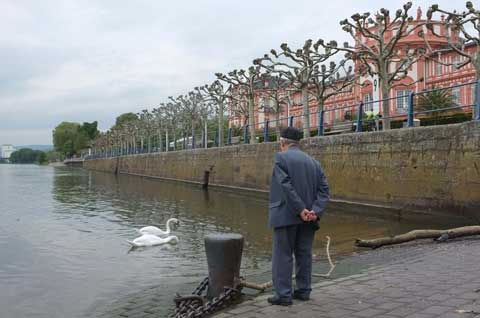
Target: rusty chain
[195, 306]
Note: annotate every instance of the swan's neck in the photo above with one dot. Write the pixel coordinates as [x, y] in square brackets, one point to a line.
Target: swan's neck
[168, 225]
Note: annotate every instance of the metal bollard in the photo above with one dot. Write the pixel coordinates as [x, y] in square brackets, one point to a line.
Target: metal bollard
[224, 256]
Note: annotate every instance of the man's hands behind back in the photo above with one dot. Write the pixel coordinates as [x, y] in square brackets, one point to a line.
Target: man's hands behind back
[308, 215]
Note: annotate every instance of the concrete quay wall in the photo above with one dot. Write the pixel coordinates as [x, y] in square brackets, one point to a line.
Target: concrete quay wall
[425, 169]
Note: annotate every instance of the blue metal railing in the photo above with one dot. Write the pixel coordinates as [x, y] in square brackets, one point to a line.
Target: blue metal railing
[326, 123]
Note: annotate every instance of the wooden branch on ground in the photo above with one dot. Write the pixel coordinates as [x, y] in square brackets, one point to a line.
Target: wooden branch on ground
[264, 286]
[438, 235]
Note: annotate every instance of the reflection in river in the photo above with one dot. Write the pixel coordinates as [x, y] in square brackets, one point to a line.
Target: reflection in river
[63, 231]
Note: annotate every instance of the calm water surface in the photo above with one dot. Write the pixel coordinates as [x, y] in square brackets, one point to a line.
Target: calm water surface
[62, 237]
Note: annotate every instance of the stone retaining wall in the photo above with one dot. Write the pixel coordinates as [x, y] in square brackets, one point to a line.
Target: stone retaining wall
[426, 168]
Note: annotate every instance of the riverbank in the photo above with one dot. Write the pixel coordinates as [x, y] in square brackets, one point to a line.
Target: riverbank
[421, 279]
[430, 169]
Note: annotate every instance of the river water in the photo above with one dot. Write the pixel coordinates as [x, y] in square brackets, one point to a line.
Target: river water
[63, 231]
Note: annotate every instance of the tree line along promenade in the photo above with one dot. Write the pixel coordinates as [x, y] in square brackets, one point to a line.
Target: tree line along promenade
[398, 69]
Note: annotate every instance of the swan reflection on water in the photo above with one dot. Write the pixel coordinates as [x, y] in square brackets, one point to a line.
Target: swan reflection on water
[167, 247]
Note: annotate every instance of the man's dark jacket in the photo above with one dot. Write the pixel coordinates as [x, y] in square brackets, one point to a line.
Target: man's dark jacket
[298, 183]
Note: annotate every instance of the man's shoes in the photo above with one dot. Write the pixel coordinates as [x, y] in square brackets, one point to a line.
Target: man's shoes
[302, 297]
[278, 301]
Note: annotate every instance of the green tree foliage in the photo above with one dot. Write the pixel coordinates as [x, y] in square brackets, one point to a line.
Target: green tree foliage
[124, 118]
[54, 156]
[90, 130]
[434, 100]
[27, 155]
[70, 138]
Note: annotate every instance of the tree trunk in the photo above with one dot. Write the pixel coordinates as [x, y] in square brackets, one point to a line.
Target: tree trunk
[476, 64]
[306, 113]
[160, 142]
[382, 77]
[167, 143]
[277, 120]
[221, 142]
[193, 133]
[205, 136]
[174, 139]
[251, 119]
[440, 235]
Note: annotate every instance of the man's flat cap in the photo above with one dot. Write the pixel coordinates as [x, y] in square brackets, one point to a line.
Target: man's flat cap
[291, 133]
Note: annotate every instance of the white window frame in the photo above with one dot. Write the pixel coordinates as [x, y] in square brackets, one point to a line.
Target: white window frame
[456, 95]
[402, 99]
[336, 115]
[438, 69]
[368, 102]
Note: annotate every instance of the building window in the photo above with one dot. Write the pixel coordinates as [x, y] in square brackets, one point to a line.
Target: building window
[456, 62]
[337, 114]
[456, 95]
[438, 69]
[368, 102]
[402, 99]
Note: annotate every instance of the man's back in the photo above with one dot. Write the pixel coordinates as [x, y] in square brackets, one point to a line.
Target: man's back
[297, 183]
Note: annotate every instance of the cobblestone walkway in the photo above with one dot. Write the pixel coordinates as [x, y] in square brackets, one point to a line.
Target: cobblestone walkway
[419, 281]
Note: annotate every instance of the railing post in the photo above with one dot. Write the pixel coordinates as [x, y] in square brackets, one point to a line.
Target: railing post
[265, 131]
[245, 135]
[410, 110]
[477, 103]
[229, 140]
[321, 116]
[359, 117]
[215, 139]
[203, 139]
[290, 121]
[193, 141]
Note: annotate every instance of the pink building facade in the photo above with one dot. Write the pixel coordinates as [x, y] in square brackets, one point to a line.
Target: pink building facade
[425, 74]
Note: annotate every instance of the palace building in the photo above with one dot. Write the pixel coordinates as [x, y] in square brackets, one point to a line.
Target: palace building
[427, 73]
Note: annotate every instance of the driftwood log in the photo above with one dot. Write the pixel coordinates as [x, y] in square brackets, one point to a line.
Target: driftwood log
[264, 286]
[438, 235]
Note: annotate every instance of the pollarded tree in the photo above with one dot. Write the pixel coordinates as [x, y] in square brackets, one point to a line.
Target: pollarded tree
[238, 105]
[189, 106]
[159, 122]
[215, 93]
[329, 81]
[276, 94]
[377, 48]
[244, 82]
[147, 128]
[299, 67]
[462, 30]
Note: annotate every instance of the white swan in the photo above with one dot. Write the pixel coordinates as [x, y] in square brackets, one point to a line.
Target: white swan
[151, 240]
[156, 231]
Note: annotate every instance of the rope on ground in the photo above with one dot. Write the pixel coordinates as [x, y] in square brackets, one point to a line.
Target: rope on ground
[264, 286]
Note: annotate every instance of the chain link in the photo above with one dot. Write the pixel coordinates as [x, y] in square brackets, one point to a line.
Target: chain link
[194, 306]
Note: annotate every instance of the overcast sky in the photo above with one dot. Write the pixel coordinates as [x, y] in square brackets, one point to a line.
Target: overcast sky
[85, 60]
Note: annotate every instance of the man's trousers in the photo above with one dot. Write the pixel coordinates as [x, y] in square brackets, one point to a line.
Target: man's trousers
[289, 241]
